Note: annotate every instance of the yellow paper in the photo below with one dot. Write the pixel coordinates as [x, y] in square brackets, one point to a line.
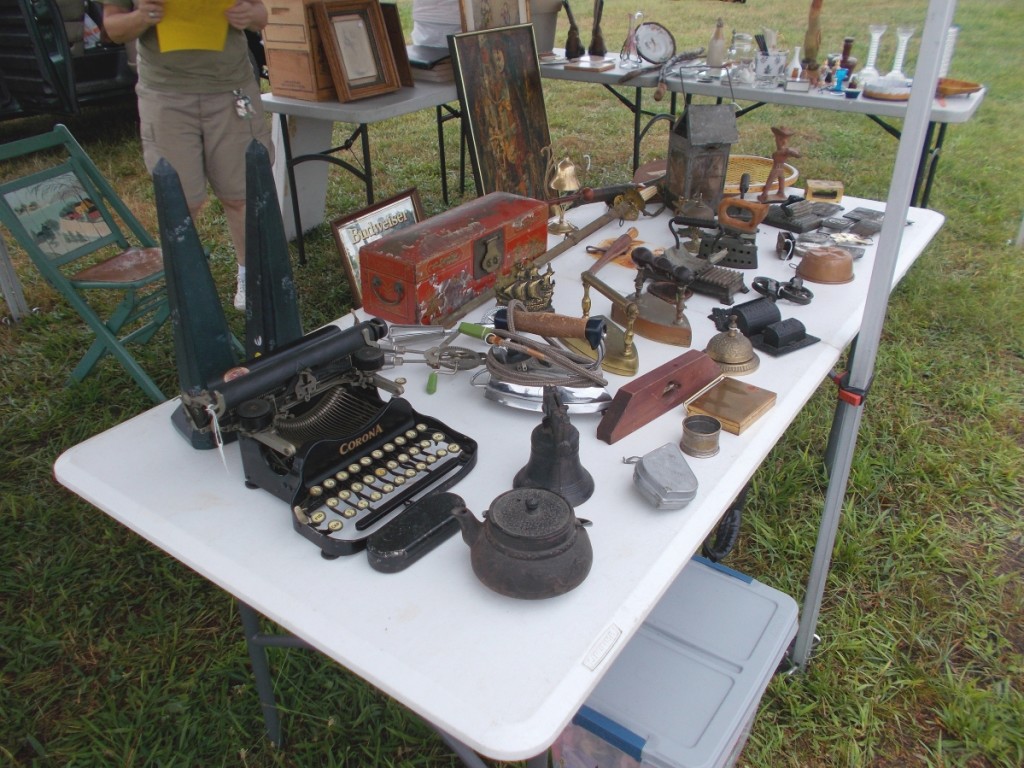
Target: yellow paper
[193, 25]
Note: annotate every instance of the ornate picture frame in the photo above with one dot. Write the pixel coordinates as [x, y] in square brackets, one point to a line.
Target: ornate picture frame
[497, 73]
[358, 49]
[478, 15]
[353, 231]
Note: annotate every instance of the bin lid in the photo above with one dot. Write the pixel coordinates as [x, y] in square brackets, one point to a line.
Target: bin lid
[687, 683]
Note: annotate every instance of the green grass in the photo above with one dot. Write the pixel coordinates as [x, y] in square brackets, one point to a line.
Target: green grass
[112, 653]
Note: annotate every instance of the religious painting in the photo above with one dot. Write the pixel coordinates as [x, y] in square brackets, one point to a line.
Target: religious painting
[487, 14]
[358, 49]
[498, 77]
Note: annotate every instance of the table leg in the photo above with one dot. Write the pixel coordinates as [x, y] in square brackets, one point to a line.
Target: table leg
[293, 137]
[256, 643]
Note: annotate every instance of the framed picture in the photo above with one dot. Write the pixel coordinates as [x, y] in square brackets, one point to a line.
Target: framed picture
[354, 231]
[488, 14]
[497, 73]
[358, 50]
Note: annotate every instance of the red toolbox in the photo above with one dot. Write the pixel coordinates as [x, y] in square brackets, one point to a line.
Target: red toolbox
[428, 273]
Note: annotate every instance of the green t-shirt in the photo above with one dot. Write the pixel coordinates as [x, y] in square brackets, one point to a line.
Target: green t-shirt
[192, 71]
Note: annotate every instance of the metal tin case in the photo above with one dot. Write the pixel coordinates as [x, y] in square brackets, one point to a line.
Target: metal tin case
[664, 478]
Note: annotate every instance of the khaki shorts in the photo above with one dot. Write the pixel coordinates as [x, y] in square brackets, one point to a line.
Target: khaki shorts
[202, 137]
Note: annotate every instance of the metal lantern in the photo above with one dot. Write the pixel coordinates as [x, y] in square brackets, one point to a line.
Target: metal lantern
[698, 154]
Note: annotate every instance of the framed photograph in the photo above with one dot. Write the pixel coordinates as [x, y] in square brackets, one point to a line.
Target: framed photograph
[354, 231]
[488, 14]
[497, 73]
[358, 50]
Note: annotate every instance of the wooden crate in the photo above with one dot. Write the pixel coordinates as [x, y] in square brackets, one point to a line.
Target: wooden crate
[295, 56]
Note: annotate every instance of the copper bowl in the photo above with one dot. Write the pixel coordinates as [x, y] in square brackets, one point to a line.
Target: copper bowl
[829, 265]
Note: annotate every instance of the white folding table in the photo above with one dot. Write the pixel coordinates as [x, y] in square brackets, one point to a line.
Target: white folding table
[944, 112]
[500, 675]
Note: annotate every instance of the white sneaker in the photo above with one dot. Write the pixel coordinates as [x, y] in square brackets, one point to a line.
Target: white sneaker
[240, 294]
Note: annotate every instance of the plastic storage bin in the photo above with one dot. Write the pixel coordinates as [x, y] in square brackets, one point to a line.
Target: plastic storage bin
[684, 691]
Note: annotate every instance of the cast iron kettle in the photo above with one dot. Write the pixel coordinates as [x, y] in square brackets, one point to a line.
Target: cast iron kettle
[530, 544]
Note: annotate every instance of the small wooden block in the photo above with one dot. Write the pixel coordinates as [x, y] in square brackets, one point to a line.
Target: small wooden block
[656, 393]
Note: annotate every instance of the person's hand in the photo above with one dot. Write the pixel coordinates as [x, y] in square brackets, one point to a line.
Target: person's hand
[247, 14]
[152, 11]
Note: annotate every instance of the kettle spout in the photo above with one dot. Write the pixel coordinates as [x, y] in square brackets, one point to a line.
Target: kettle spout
[470, 525]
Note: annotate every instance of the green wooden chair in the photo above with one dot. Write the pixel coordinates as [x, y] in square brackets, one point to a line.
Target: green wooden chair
[84, 240]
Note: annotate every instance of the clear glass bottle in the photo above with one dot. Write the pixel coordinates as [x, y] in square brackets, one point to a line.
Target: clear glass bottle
[716, 50]
[795, 68]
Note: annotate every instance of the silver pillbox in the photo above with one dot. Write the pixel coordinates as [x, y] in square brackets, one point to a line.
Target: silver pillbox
[664, 478]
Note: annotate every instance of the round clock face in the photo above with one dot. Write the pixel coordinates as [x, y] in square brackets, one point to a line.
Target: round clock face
[654, 43]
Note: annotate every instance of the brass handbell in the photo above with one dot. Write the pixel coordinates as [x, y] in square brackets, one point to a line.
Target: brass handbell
[563, 180]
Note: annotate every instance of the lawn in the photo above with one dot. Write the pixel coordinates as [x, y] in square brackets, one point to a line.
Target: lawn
[114, 654]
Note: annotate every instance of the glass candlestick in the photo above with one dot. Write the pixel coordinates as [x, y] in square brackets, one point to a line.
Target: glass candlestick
[869, 72]
[629, 58]
[903, 35]
[947, 50]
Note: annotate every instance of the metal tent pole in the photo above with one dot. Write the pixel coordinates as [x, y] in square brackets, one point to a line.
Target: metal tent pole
[849, 411]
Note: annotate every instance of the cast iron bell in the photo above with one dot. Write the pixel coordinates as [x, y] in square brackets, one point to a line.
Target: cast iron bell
[555, 455]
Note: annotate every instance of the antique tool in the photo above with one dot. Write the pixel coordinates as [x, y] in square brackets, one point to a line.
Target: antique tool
[792, 290]
[659, 317]
[515, 318]
[627, 206]
[657, 392]
[751, 316]
[782, 337]
[799, 215]
[708, 278]
[530, 544]
[519, 368]
[555, 455]
[620, 355]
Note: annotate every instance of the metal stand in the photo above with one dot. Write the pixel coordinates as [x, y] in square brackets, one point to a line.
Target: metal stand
[854, 386]
[257, 642]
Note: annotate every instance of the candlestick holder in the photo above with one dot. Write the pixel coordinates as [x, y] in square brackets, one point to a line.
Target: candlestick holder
[903, 35]
[869, 72]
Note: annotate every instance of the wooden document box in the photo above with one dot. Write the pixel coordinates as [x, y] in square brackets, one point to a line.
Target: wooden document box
[428, 273]
[295, 56]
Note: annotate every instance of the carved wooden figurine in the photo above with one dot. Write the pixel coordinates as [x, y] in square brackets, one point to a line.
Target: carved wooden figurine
[777, 174]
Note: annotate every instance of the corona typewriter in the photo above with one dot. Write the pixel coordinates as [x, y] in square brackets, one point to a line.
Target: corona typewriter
[314, 430]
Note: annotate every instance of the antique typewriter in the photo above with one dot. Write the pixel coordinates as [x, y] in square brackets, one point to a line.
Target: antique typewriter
[314, 430]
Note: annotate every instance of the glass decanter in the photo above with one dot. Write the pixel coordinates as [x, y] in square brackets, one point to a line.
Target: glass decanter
[629, 58]
[903, 35]
[869, 72]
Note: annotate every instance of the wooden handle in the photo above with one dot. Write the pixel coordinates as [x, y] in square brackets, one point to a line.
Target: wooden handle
[617, 248]
[591, 329]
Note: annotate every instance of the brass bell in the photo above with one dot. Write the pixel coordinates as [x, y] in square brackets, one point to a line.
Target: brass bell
[733, 351]
[555, 455]
[565, 179]
[561, 177]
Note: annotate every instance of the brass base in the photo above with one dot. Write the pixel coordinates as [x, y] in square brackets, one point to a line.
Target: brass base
[657, 320]
[561, 227]
[618, 358]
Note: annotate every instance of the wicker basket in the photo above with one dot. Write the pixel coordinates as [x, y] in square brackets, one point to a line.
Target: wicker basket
[758, 168]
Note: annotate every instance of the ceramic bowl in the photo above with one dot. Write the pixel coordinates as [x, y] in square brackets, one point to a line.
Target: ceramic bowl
[851, 93]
